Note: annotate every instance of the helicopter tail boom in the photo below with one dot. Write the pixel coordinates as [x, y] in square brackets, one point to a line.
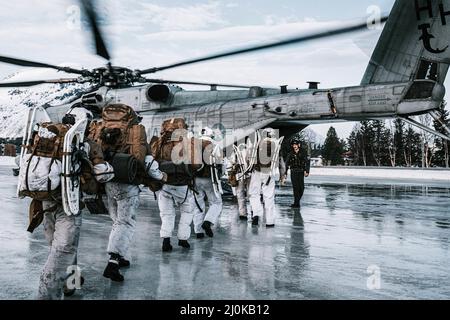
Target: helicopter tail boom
[414, 44]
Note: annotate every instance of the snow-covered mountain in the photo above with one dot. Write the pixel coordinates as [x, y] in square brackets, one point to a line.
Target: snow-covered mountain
[14, 102]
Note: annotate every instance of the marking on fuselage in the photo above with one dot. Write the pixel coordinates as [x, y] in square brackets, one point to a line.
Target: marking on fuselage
[426, 39]
[425, 28]
[378, 100]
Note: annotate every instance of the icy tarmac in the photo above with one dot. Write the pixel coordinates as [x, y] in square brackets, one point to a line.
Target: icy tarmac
[345, 228]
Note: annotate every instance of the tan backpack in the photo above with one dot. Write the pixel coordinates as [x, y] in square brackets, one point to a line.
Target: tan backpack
[89, 183]
[50, 147]
[46, 147]
[170, 125]
[162, 147]
[120, 132]
[207, 148]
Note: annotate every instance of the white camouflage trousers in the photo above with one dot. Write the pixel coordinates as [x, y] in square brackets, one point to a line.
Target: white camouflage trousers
[63, 234]
[170, 198]
[241, 196]
[204, 187]
[123, 202]
[262, 183]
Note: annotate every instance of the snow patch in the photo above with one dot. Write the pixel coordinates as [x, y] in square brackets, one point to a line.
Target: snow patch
[15, 102]
[7, 161]
[384, 173]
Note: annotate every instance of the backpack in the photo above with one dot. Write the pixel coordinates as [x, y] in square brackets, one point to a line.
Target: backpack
[205, 170]
[232, 177]
[119, 132]
[89, 183]
[162, 147]
[170, 125]
[40, 177]
[265, 154]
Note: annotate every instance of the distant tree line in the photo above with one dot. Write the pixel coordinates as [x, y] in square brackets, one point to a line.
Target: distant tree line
[389, 143]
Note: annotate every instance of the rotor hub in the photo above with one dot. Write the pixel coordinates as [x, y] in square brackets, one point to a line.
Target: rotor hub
[114, 77]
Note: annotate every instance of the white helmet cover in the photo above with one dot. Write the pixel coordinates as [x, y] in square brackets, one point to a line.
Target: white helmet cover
[81, 113]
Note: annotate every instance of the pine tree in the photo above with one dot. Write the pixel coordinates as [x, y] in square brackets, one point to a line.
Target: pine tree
[379, 142]
[399, 141]
[392, 146]
[442, 153]
[352, 144]
[333, 148]
[357, 143]
[365, 139]
[412, 151]
[428, 146]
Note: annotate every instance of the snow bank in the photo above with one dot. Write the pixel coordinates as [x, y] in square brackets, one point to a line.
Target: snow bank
[7, 161]
[384, 173]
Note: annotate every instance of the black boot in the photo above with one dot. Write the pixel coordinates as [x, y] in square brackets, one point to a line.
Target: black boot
[200, 235]
[184, 243]
[166, 246]
[123, 263]
[112, 269]
[243, 218]
[255, 221]
[70, 292]
[207, 227]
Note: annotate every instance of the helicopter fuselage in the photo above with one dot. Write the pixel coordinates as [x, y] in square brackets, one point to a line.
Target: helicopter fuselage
[241, 112]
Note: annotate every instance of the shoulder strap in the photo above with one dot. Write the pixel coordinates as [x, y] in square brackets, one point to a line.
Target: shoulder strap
[33, 153]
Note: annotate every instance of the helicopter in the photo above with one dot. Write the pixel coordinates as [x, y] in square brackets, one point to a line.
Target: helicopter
[404, 78]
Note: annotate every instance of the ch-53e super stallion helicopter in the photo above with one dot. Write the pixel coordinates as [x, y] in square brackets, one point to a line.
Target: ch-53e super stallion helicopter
[404, 78]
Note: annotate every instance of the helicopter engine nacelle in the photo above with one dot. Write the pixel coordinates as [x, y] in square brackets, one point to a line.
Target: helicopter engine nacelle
[159, 93]
[95, 99]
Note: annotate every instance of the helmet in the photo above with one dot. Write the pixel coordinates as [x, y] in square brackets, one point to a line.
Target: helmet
[268, 133]
[295, 141]
[81, 113]
[207, 133]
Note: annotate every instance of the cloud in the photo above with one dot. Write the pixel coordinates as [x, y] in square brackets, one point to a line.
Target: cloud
[335, 62]
[145, 34]
[245, 33]
[199, 16]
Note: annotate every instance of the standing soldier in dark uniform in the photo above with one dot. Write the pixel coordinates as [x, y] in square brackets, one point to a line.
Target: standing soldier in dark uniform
[298, 162]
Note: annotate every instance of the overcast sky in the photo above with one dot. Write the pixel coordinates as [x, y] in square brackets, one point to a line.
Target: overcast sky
[143, 34]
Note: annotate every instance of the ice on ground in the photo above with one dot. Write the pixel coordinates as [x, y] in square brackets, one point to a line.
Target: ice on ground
[384, 173]
[327, 250]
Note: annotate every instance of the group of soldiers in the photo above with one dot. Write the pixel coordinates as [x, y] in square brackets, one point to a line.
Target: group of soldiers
[169, 167]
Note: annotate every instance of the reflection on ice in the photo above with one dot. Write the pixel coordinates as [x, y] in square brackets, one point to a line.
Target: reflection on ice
[322, 250]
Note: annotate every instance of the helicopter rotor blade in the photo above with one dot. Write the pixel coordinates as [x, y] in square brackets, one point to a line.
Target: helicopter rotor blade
[304, 38]
[197, 83]
[35, 82]
[28, 63]
[93, 18]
